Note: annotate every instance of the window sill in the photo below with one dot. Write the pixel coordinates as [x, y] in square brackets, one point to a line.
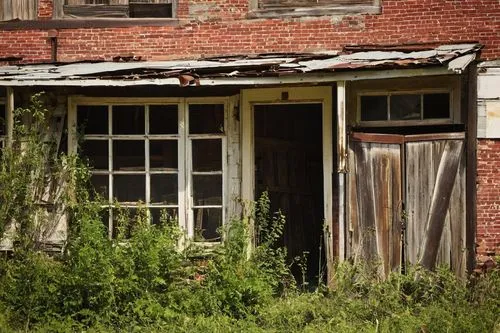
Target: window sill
[316, 11]
[74, 23]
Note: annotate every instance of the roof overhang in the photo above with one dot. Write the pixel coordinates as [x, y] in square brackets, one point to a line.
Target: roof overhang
[256, 70]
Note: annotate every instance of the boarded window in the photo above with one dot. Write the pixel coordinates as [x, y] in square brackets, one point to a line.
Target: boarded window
[18, 9]
[117, 8]
[270, 8]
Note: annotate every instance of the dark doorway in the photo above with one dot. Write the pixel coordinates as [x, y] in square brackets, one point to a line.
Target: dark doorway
[289, 165]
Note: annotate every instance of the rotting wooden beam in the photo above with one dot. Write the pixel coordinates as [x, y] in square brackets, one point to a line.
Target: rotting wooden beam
[445, 180]
[471, 171]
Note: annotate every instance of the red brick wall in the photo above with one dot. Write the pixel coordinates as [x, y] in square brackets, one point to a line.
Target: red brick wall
[488, 196]
[216, 27]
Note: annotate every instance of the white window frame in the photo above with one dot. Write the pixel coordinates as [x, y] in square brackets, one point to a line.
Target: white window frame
[185, 203]
[454, 112]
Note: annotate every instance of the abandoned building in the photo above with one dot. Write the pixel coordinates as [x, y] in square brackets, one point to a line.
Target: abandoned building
[374, 125]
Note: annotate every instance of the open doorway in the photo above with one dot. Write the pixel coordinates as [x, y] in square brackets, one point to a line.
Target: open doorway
[289, 165]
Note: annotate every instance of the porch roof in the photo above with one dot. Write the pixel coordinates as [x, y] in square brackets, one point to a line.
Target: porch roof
[352, 63]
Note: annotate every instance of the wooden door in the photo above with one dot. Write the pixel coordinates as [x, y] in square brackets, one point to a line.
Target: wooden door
[289, 166]
[407, 200]
[375, 200]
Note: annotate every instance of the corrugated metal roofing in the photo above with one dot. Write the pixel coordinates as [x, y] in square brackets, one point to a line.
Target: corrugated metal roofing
[456, 57]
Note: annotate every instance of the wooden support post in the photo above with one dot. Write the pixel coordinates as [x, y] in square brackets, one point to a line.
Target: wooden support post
[341, 163]
[9, 114]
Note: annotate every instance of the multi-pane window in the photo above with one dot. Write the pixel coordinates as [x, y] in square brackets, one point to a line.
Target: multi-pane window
[118, 8]
[166, 157]
[405, 107]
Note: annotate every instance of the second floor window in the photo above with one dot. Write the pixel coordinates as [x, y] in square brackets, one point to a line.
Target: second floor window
[117, 8]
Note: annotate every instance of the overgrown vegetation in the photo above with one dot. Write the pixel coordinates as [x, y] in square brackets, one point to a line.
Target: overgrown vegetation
[143, 280]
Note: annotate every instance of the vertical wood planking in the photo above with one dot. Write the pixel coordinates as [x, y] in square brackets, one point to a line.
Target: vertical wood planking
[445, 180]
[18, 9]
[375, 200]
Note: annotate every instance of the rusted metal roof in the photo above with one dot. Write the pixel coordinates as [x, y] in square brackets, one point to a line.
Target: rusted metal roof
[453, 57]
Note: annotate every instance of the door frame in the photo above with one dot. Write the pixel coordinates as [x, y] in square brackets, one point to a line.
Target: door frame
[290, 95]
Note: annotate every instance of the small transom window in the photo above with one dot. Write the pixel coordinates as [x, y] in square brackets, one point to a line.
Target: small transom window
[404, 107]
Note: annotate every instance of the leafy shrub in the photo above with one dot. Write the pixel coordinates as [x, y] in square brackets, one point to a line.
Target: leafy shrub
[143, 281]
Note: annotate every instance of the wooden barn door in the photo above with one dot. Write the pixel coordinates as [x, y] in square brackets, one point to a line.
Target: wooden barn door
[407, 200]
[375, 199]
[435, 200]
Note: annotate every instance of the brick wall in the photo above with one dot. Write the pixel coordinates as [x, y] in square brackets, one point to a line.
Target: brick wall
[216, 27]
[488, 196]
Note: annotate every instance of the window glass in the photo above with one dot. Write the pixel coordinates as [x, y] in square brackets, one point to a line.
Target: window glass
[206, 118]
[207, 155]
[92, 119]
[164, 189]
[436, 106]
[128, 119]
[128, 155]
[207, 221]
[96, 151]
[163, 154]
[163, 119]
[207, 190]
[373, 108]
[129, 188]
[101, 185]
[164, 215]
[405, 107]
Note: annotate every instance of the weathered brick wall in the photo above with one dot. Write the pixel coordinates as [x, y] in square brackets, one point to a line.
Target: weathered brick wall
[488, 196]
[216, 27]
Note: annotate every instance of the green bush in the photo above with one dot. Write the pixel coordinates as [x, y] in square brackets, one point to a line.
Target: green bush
[143, 280]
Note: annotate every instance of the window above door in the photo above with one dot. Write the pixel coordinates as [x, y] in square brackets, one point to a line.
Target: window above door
[298, 8]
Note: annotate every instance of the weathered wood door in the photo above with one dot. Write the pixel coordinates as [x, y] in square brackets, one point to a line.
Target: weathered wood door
[406, 199]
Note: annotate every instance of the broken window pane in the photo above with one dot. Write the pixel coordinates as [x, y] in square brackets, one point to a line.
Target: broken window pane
[92, 119]
[101, 185]
[373, 108]
[128, 155]
[163, 154]
[164, 215]
[207, 190]
[97, 153]
[206, 118]
[207, 155]
[164, 189]
[3, 127]
[163, 119]
[129, 188]
[405, 107]
[436, 106]
[128, 119]
[206, 223]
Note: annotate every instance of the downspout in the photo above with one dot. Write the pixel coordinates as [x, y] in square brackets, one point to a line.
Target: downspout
[53, 45]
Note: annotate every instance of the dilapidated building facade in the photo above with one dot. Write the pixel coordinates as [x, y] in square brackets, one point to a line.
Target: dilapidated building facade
[373, 125]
